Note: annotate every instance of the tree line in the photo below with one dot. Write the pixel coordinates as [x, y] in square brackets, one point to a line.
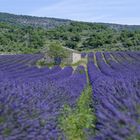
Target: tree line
[76, 35]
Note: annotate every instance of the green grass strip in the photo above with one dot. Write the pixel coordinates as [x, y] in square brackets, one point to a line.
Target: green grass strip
[79, 122]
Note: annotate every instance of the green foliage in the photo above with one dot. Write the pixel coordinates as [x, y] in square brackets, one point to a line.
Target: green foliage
[7, 131]
[55, 49]
[84, 36]
[2, 119]
[71, 44]
[41, 63]
[76, 122]
[57, 52]
[31, 38]
[20, 39]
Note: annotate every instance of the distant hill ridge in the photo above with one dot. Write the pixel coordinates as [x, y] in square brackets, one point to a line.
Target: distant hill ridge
[45, 22]
[24, 20]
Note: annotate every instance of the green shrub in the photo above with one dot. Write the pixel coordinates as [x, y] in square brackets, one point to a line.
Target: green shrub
[76, 122]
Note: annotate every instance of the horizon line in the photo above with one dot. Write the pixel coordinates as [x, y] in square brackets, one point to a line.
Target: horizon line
[75, 20]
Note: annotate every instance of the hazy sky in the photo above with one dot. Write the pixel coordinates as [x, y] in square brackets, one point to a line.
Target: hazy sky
[112, 11]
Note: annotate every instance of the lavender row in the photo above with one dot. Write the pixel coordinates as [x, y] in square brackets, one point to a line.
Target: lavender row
[120, 68]
[116, 99]
[24, 59]
[30, 109]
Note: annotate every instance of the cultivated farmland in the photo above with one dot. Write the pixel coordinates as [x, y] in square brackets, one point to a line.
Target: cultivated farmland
[57, 103]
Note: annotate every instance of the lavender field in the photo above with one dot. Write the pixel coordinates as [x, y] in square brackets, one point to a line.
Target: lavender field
[33, 100]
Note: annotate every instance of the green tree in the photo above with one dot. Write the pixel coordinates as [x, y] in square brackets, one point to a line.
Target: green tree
[71, 44]
[57, 52]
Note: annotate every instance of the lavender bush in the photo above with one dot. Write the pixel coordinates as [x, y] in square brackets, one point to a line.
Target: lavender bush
[116, 95]
[31, 99]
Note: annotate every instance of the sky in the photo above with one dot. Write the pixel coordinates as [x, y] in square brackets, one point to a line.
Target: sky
[108, 11]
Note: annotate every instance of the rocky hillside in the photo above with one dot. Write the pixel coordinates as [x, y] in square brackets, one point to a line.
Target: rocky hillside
[45, 22]
[22, 20]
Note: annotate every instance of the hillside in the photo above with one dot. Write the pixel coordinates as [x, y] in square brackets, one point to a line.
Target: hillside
[45, 22]
[23, 20]
[27, 34]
